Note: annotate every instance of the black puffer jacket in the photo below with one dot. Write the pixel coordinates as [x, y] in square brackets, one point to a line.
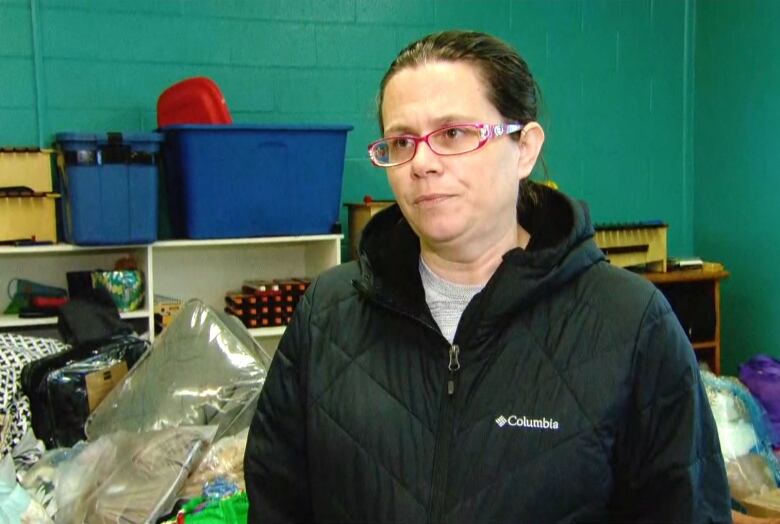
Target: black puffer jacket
[575, 396]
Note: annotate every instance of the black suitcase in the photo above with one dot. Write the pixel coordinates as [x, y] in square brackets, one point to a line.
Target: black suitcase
[64, 388]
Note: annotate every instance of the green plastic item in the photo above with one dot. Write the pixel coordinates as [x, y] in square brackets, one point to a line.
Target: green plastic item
[230, 510]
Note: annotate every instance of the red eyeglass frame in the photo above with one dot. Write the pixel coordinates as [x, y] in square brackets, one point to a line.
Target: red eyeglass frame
[486, 132]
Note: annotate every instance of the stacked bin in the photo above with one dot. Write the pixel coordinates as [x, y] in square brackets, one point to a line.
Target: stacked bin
[109, 187]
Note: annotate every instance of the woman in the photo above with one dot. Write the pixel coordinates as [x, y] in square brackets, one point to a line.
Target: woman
[480, 362]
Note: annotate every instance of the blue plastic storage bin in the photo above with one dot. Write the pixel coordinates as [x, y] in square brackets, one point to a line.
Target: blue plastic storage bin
[228, 181]
[109, 187]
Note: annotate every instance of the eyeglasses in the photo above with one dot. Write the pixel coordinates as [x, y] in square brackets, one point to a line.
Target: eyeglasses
[446, 141]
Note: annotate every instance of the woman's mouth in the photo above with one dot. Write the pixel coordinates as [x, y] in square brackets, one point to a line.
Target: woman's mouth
[431, 198]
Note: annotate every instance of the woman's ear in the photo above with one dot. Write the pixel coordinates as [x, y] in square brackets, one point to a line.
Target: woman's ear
[530, 144]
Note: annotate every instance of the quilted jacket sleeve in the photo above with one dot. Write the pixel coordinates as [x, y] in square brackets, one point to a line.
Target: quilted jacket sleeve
[275, 465]
[668, 463]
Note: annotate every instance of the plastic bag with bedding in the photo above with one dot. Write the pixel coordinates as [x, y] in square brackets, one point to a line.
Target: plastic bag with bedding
[16, 505]
[128, 477]
[205, 369]
[223, 460]
[761, 375]
[41, 480]
[745, 437]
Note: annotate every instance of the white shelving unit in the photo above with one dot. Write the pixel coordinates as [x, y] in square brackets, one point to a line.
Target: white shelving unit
[49, 265]
[206, 269]
[182, 269]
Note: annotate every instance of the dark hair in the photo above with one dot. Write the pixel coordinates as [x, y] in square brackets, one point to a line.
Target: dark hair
[510, 86]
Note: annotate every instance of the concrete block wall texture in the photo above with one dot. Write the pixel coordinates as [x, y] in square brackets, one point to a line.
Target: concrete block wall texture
[644, 100]
[612, 74]
[17, 87]
[737, 159]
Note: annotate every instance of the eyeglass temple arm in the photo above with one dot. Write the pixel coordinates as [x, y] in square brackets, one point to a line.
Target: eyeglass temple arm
[505, 129]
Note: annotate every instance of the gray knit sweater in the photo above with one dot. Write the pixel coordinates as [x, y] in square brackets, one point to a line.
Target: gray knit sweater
[446, 300]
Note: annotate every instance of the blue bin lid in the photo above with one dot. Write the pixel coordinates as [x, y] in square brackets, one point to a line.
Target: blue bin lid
[258, 127]
[102, 138]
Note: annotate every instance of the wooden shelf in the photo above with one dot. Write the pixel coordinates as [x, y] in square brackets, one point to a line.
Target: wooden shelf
[10, 321]
[276, 331]
[63, 248]
[687, 275]
[701, 287]
[245, 241]
[70, 248]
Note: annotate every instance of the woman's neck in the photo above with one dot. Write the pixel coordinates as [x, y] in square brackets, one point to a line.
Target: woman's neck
[474, 265]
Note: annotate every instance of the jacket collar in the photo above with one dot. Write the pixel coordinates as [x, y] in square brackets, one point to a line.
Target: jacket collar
[561, 248]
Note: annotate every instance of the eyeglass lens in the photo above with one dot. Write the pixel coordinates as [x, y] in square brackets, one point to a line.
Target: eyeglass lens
[447, 141]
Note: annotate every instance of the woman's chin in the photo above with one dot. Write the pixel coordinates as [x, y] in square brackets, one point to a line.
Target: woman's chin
[440, 235]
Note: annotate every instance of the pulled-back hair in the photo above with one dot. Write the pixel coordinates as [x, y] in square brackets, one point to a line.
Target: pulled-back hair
[510, 86]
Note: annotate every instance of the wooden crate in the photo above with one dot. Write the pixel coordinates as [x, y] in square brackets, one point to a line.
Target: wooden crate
[634, 244]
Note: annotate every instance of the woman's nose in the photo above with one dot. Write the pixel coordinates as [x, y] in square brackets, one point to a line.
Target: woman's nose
[425, 161]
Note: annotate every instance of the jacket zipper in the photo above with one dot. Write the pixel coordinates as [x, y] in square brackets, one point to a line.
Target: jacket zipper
[453, 366]
[441, 457]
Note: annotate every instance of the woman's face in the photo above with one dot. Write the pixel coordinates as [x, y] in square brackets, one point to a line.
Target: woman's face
[463, 201]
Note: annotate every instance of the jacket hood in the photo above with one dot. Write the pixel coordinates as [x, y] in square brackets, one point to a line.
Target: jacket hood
[561, 248]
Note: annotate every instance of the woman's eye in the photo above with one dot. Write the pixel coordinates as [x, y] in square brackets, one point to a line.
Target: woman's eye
[454, 132]
[402, 143]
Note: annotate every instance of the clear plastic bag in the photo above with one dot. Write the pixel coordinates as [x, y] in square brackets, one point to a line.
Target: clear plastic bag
[205, 369]
[128, 477]
[16, 505]
[77, 388]
[745, 437]
[41, 480]
[224, 460]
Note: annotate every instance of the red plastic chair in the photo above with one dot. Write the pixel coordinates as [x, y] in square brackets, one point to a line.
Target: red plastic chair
[195, 100]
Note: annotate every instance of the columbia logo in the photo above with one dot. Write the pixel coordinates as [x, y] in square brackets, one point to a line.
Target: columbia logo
[525, 422]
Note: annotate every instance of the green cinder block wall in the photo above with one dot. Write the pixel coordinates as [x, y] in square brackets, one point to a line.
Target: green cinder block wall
[653, 108]
[614, 76]
[737, 159]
